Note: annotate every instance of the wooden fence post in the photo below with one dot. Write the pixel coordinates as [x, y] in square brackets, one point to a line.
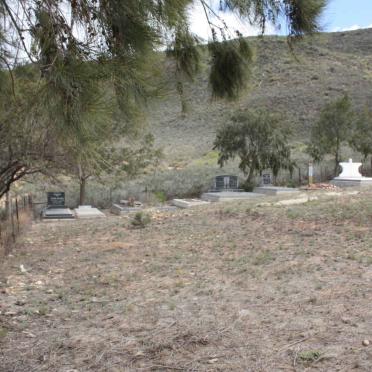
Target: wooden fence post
[12, 218]
[8, 207]
[17, 213]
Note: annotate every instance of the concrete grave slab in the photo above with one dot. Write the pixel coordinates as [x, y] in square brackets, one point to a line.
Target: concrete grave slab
[275, 190]
[229, 195]
[57, 214]
[87, 211]
[119, 209]
[188, 203]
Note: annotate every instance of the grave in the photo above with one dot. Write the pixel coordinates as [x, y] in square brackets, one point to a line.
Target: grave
[126, 206]
[188, 203]
[350, 176]
[87, 211]
[226, 183]
[229, 196]
[56, 208]
[266, 179]
[267, 188]
[275, 190]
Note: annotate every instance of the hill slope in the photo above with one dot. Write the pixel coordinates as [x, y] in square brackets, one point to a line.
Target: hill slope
[296, 84]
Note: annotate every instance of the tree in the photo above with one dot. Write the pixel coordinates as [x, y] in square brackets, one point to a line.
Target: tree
[361, 139]
[111, 161]
[259, 139]
[332, 130]
[28, 144]
[76, 48]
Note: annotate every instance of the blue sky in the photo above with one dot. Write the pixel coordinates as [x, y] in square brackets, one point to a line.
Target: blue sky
[346, 15]
[340, 15]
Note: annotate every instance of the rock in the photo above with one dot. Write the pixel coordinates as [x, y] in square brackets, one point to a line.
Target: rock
[244, 313]
[29, 334]
[22, 268]
[212, 361]
[365, 342]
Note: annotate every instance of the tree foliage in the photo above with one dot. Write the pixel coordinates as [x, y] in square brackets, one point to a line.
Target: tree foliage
[332, 130]
[83, 56]
[258, 139]
[361, 139]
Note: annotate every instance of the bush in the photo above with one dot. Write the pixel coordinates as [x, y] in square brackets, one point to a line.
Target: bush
[160, 196]
[141, 220]
[248, 186]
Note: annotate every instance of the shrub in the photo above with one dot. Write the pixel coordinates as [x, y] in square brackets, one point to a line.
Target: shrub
[160, 196]
[141, 220]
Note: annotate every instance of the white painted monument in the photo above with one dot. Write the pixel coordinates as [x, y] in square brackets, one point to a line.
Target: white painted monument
[350, 175]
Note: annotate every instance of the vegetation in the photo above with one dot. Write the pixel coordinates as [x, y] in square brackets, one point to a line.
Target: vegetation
[237, 287]
[332, 130]
[258, 139]
[297, 88]
[140, 220]
[83, 54]
[361, 139]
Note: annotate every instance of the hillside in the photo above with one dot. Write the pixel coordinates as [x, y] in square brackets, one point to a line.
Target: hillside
[296, 84]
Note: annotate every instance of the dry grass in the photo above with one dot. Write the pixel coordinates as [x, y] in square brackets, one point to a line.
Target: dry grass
[230, 287]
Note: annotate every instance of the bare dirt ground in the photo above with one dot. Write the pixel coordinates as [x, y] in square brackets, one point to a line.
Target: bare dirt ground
[228, 287]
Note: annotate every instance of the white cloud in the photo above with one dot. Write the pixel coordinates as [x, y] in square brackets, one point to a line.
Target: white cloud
[350, 28]
[200, 26]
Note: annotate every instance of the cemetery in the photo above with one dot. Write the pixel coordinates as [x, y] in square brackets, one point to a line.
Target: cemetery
[185, 186]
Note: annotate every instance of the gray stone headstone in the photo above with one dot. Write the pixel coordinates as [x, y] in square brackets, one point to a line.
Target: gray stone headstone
[226, 182]
[266, 179]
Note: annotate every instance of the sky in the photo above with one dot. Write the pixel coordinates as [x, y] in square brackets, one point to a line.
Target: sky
[346, 15]
[340, 15]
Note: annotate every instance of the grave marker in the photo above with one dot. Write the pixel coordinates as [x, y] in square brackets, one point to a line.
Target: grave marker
[56, 199]
[266, 179]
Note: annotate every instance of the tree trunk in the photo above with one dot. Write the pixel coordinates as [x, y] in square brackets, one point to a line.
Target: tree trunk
[336, 164]
[8, 205]
[83, 182]
[9, 174]
[337, 160]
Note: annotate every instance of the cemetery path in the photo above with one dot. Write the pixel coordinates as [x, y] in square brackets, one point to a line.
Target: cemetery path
[227, 287]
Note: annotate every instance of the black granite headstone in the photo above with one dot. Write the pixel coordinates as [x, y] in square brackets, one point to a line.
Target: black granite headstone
[56, 200]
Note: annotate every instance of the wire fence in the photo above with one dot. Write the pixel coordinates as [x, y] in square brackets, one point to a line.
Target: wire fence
[15, 214]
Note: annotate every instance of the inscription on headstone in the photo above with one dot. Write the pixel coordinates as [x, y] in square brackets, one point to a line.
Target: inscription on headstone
[56, 199]
[226, 182]
[266, 179]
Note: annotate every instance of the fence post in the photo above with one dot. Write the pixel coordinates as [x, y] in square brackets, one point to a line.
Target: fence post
[17, 213]
[12, 218]
[8, 207]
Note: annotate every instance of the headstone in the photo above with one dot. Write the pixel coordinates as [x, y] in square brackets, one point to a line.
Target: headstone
[350, 170]
[56, 208]
[350, 175]
[226, 182]
[266, 179]
[56, 199]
